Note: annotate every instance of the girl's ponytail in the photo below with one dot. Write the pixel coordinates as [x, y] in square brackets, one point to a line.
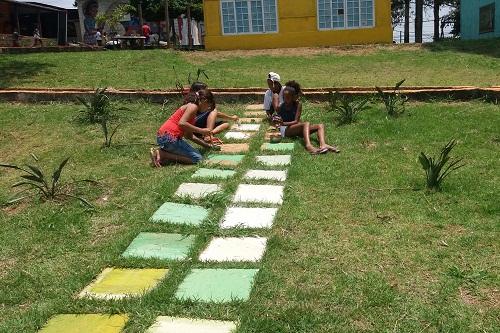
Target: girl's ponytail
[199, 96]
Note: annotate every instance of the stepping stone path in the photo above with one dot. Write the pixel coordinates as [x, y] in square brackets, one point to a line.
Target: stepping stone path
[186, 325]
[246, 127]
[118, 283]
[277, 175]
[175, 213]
[234, 148]
[213, 173]
[238, 135]
[225, 160]
[159, 246]
[234, 249]
[219, 285]
[197, 190]
[85, 323]
[255, 107]
[270, 194]
[274, 160]
[250, 218]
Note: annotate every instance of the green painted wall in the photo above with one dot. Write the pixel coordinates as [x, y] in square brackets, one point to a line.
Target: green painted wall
[470, 19]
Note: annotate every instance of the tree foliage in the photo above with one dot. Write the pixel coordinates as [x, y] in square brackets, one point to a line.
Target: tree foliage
[155, 9]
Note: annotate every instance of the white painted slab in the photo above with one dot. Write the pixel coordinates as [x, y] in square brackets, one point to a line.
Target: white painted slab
[251, 218]
[246, 127]
[196, 190]
[274, 160]
[247, 249]
[186, 325]
[277, 175]
[272, 194]
[238, 135]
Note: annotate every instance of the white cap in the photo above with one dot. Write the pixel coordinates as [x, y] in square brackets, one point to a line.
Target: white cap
[275, 77]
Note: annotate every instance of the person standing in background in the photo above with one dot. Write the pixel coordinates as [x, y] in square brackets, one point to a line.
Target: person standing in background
[98, 37]
[146, 32]
[37, 38]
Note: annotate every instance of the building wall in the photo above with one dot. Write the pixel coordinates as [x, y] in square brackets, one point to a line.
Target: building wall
[469, 21]
[297, 26]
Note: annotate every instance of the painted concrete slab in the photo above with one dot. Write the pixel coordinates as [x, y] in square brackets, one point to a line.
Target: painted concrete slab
[217, 285]
[278, 146]
[274, 160]
[118, 283]
[246, 249]
[160, 246]
[246, 127]
[260, 114]
[85, 323]
[272, 194]
[171, 212]
[234, 148]
[225, 160]
[213, 173]
[197, 190]
[187, 325]
[238, 135]
[251, 120]
[255, 107]
[250, 218]
[277, 175]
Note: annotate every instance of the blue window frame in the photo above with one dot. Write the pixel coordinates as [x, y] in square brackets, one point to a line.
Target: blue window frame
[248, 16]
[345, 14]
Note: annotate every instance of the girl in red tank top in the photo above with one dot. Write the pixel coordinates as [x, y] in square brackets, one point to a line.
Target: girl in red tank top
[180, 126]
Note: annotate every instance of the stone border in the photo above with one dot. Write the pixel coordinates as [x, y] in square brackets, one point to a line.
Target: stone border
[246, 95]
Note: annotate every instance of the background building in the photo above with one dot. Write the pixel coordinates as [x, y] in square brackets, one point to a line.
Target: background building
[259, 24]
[480, 19]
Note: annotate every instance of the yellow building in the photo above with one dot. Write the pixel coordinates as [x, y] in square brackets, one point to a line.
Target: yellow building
[256, 24]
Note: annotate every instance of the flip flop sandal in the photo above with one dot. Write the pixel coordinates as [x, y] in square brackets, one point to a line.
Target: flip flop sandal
[320, 151]
[334, 149]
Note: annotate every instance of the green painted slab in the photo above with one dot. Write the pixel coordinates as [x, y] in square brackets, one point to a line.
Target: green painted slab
[213, 173]
[175, 213]
[217, 285]
[160, 246]
[227, 160]
[278, 146]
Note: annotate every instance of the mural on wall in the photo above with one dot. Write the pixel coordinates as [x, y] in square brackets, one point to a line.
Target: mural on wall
[89, 9]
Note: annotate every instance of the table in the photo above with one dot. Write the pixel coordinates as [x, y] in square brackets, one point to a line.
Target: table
[131, 41]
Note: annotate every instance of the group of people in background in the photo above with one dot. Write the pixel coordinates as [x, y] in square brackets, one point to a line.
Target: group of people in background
[198, 121]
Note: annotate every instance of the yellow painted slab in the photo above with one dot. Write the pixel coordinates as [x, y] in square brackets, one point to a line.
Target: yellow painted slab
[117, 283]
[85, 323]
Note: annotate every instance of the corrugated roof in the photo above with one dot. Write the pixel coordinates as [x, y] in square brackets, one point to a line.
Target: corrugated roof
[64, 4]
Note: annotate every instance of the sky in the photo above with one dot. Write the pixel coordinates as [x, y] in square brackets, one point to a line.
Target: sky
[60, 3]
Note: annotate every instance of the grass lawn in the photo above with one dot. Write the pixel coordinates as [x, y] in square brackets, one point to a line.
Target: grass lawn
[447, 63]
[358, 246]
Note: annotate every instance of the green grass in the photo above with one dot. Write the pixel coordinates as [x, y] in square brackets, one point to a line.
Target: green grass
[447, 63]
[358, 246]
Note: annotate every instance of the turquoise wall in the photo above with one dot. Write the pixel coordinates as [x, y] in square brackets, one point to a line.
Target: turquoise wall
[470, 19]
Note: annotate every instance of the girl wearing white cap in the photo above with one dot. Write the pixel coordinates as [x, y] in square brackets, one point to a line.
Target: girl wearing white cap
[274, 95]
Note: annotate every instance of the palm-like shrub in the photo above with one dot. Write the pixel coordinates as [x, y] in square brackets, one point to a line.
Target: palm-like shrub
[394, 101]
[346, 107]
[35, 180]
[437, 169]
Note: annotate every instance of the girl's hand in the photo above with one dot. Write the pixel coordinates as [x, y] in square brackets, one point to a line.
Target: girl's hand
[206, 132]
[235, 118]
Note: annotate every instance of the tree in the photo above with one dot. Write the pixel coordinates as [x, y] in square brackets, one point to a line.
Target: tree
[419, 20]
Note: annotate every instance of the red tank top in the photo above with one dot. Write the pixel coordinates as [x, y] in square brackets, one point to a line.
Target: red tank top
[171, 126]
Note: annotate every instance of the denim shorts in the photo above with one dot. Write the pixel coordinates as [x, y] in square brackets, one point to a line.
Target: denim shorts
[178, 147]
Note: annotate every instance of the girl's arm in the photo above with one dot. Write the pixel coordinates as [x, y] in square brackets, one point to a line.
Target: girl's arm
[199, 141]
[276, 101]
[297, 116]
[190, 113]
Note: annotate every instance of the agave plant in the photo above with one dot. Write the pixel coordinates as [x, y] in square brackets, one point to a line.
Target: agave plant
[437, 169]
[99, 109]
[346, 107]
[98, 106]
[394, 102]
[36, 181]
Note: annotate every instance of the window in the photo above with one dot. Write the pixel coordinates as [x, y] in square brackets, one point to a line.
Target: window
[248, 16]
[487, 19]
[345, 14]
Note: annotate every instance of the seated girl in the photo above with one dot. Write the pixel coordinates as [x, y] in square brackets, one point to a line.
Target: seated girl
[181, 125]
[290, 125]
[209, 118]
[274, 95]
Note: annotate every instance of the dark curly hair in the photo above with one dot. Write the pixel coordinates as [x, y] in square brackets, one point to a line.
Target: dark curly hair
[199, 96]
[296, 86]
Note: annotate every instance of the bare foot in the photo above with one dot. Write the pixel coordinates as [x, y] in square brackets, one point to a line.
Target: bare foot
[333, 149]
[311, 149]
[155, 158]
